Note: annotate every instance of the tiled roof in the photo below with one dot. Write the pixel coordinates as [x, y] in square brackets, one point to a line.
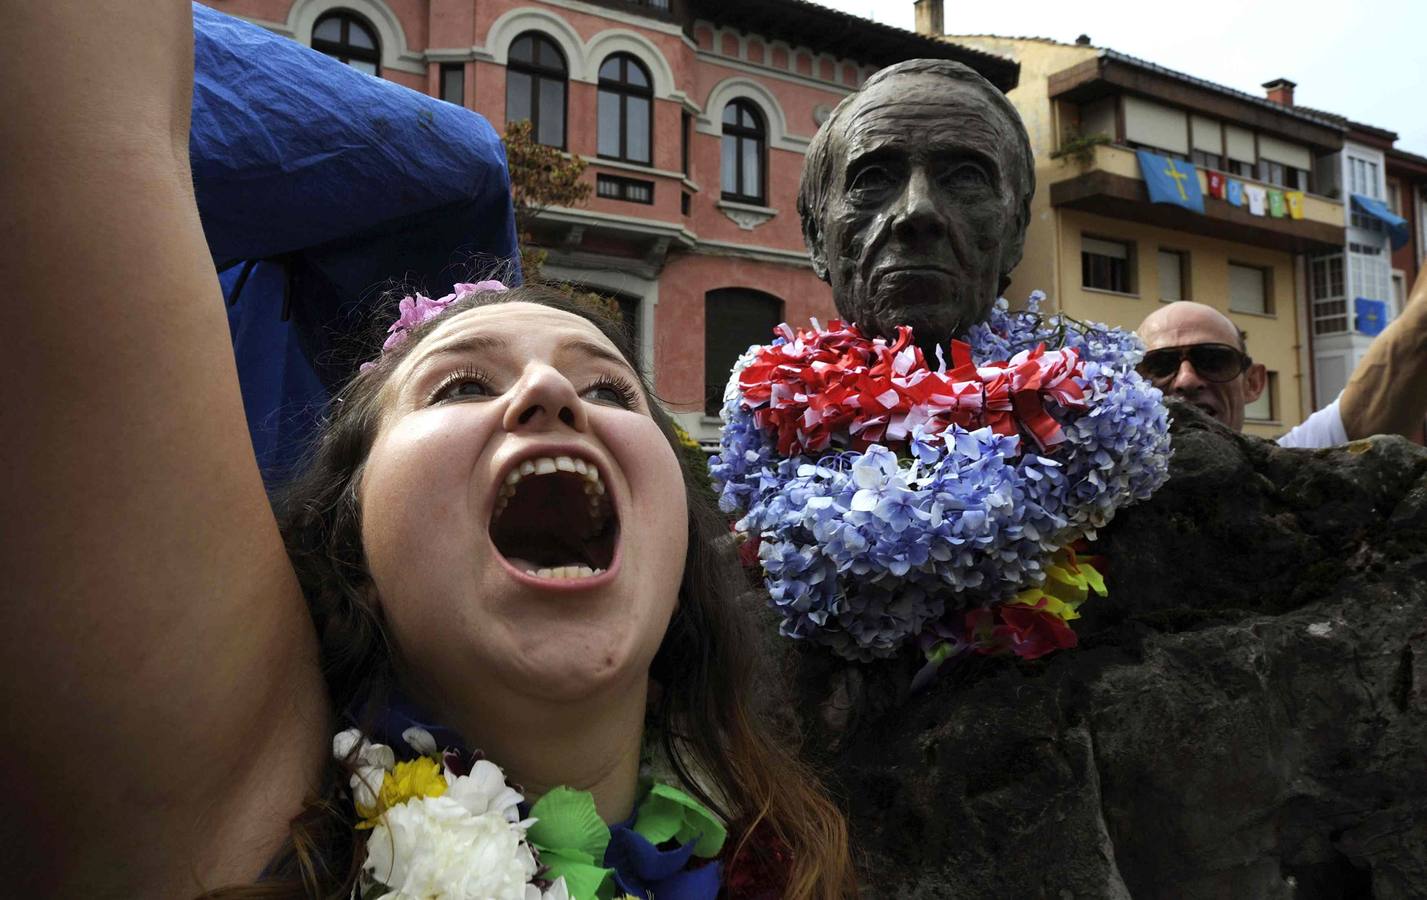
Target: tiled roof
[1300, 112]
[850, 36]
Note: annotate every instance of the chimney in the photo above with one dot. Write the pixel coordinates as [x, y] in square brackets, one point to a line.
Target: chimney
[929, 18]
[1280, 91]
[1083, 41]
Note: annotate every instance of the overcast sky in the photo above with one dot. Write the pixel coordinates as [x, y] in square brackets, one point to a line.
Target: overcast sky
[1368, 66]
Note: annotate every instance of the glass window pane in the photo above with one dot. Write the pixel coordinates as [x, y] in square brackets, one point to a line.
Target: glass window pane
[1247, 289]
[729, 164]
[635, 74]
[608, 124]
[1112, 249]
[730, 114]
[751, 167]
[609, 69]
[359, 36]
[517, 95]
[1170, 287]
[637, 139]
[523, 49]
[329, 29]
[551, 127]
[1262, 409]
[361, 65]
[549, 57]
[453, 84]
[746, 118]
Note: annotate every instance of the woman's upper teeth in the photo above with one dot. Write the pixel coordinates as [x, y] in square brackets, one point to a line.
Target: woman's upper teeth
[549, 465]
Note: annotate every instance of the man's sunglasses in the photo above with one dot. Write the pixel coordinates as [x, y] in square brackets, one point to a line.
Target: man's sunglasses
[1214, 362]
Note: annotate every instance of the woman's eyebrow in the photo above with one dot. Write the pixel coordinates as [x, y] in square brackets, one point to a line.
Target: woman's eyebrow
[469, 345]
[590, 348]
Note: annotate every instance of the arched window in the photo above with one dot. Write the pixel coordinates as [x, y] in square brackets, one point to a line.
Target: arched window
[350, 38]
[734, 318]
[535, 77]
[745, 144]
[626, 99]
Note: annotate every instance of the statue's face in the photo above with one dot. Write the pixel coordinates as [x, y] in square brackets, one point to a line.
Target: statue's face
[921, 208]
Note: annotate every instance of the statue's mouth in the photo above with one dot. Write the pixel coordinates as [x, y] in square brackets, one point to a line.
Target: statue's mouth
[920, 283]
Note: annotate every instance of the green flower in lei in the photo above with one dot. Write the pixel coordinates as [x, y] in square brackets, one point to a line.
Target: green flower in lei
[597, 860]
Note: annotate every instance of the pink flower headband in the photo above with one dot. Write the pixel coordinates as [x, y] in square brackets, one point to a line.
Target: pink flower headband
[414, 310]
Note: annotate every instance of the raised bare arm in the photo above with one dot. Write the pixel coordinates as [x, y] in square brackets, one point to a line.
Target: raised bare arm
[163, 703]
[1387, 393]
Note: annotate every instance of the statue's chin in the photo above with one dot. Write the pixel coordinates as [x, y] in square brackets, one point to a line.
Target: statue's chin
[933, 303]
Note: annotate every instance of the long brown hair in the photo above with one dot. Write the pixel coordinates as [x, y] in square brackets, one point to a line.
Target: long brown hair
[724, 747]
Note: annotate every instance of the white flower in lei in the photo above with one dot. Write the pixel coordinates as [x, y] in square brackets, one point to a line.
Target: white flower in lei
[432, 847]
[436, 835]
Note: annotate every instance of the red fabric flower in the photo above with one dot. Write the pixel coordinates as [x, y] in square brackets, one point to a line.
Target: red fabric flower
[760, 869]
[829, 387]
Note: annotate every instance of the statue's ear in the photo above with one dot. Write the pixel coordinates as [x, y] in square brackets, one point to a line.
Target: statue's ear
[819, 265]
[813, 239]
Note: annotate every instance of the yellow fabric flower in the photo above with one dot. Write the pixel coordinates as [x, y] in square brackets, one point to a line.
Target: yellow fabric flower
[420, 777]
[1068, 583]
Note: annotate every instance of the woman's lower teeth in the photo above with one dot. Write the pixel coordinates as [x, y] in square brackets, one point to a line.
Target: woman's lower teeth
[565, 572]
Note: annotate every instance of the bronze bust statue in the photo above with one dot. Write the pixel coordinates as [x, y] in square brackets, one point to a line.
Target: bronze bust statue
[915, 198]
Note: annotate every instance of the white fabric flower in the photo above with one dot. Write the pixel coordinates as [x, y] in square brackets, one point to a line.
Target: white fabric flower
[484, 790]
[432, 848]
[420, 740]
[369, 754]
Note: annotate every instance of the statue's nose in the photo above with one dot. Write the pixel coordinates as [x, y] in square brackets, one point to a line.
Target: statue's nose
[919, 217]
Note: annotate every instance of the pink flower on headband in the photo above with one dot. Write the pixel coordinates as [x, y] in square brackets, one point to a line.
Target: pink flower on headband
[416, 309]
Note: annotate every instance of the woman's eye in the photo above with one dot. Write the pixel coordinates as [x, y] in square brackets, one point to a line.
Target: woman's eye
[462, 387]
[611, 394]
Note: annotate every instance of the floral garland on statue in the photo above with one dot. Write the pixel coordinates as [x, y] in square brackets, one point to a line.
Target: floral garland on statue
[445, 825]
[889, 502]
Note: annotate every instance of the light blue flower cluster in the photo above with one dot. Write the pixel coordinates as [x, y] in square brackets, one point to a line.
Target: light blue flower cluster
[863, 551]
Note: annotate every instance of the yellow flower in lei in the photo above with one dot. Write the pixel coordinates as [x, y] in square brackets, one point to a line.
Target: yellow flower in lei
[421, 777]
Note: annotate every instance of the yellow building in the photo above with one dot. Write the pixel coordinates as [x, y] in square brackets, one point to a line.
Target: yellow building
[1103, 252]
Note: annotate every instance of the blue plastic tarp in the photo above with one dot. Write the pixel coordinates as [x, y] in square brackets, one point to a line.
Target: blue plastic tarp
[1396, 225]
[340, 186]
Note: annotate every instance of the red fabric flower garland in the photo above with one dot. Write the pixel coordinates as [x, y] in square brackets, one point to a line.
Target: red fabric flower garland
[818, 384]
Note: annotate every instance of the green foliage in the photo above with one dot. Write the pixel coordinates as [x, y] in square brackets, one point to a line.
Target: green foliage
[698, 463]
[1080, 147]
[540, 177]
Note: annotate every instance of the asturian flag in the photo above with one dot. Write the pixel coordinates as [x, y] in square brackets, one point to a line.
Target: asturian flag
[1171, 181]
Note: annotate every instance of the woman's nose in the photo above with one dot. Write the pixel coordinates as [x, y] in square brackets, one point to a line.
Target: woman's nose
[544, 400]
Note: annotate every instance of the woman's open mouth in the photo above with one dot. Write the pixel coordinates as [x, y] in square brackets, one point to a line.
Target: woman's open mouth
[553, 519]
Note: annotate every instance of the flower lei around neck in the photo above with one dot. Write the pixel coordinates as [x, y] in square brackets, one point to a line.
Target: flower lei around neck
[889, 502]
[445, 825]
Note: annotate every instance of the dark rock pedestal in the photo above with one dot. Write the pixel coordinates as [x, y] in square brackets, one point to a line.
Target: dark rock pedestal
[1246, 715]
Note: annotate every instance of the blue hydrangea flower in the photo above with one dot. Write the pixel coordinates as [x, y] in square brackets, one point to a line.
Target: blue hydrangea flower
[864, 552]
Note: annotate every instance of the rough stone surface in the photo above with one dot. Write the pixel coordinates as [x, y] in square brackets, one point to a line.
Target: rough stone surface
[1246, 715]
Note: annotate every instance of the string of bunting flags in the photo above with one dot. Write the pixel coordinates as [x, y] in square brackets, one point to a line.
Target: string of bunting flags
[1176, 182]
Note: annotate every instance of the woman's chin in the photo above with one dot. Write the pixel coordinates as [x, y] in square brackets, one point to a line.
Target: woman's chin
[573, 671]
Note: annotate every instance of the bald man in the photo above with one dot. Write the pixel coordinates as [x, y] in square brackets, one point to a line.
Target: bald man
[1195, 353]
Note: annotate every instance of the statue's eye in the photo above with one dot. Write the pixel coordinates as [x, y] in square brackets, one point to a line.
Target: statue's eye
[870, 180]
[964, 175]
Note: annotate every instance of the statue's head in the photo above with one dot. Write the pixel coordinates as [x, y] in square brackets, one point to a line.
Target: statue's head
[915, 198]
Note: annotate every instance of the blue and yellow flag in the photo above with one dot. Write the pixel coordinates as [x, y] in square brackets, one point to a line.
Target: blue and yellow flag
[1171, 181]
[1369, 316]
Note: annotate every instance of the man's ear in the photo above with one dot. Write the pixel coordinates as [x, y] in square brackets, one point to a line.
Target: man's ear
[1255, 380]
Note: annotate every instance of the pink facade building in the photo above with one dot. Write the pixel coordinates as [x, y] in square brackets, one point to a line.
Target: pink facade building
[694, 116]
